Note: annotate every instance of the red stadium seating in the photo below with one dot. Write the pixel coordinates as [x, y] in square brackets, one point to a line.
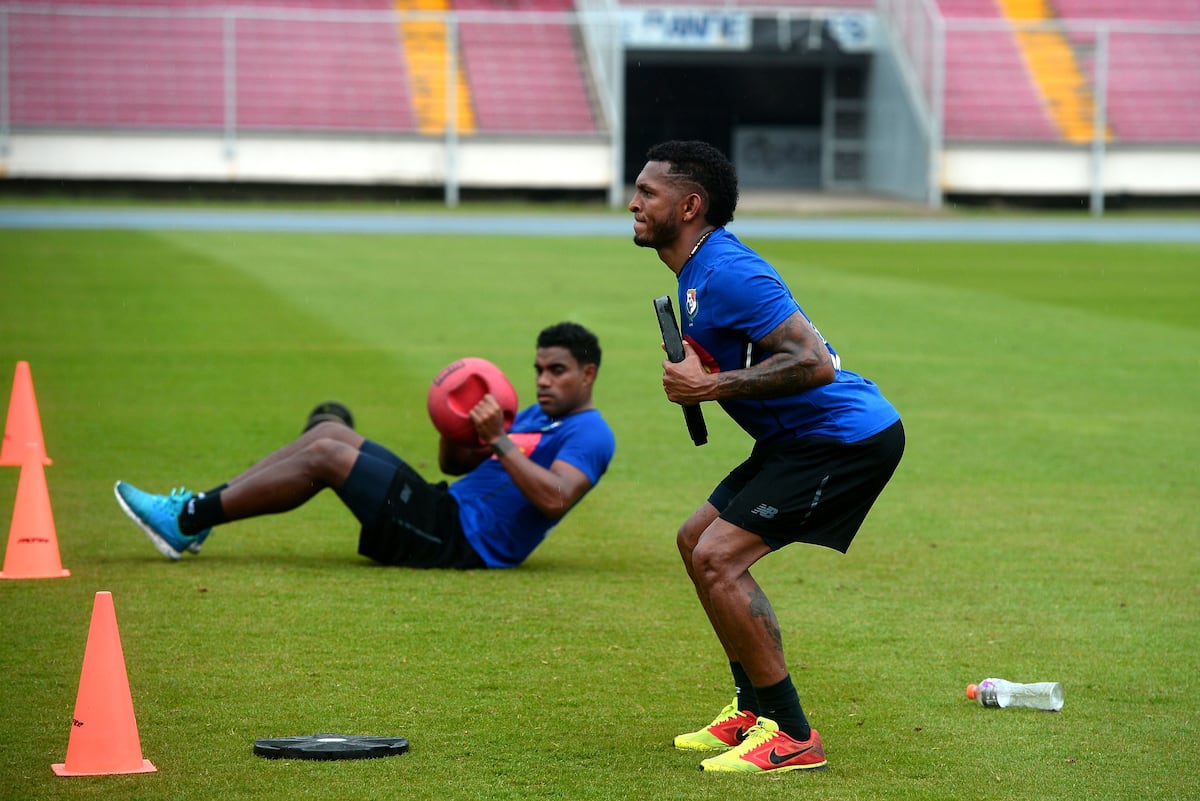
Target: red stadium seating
[973, 9]
[109, 71]
[167, 71]
[866, 5]
[1153, 77]
[1153, 70]
[144, 71]
[989, 94]
[297, 74]
[525, 77]
[1139, 10]
[150, 71]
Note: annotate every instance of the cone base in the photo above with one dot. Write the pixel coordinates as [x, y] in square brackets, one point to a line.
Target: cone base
[56, 574]
[60, 769]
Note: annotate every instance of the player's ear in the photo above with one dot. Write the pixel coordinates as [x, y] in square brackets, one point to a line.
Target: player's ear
[589, 374]
[692, 206]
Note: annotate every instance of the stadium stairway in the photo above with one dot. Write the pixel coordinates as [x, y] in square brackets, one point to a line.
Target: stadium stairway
[989, 92]
[1055, 68]
[426, 53]
[1154, 72]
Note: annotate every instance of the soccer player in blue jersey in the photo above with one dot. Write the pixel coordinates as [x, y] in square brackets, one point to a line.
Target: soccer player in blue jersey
[515, 485]
[826, 441]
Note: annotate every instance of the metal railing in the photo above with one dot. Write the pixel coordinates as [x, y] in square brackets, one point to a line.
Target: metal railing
[1083, 84]
[247, 68]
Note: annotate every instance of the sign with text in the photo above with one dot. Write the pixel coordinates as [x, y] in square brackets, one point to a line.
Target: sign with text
[854, 32]
[684, 29]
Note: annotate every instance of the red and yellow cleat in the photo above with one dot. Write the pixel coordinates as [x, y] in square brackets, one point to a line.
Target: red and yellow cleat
[768, 750]
[728, 730]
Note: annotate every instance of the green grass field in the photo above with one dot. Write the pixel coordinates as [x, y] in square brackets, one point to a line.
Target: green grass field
[1043, 525]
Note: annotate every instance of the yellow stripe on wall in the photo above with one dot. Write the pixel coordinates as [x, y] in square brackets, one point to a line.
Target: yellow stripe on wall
[426, 51]
[1056, 70]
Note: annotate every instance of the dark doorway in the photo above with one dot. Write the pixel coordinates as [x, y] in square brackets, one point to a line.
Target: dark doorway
[687, 100]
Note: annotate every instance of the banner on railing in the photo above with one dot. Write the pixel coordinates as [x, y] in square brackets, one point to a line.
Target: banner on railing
[854, 32]
[686, 29]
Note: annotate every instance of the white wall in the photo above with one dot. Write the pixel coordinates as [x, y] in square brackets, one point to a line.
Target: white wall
[535, 163]
[1064, 170]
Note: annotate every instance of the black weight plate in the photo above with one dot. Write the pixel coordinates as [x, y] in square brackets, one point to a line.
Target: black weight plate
[330, 746]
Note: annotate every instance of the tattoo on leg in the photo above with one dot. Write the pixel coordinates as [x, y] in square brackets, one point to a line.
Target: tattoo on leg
[760, 607]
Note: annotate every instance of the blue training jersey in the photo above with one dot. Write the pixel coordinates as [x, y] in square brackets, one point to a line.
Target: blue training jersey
[729, 299]
[501, 524]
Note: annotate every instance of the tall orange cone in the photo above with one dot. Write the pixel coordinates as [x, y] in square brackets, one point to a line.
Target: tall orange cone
[32, 551]
[104, 736]
[24, 426]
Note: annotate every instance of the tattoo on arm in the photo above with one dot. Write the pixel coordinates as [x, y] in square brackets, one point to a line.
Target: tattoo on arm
[799, 360]
[760, 608]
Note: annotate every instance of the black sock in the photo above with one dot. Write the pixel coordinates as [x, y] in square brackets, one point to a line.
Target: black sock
[747, 699]
[780, 703]
[202, 511]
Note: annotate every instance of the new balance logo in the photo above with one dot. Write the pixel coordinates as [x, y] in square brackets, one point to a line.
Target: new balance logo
[764, 511]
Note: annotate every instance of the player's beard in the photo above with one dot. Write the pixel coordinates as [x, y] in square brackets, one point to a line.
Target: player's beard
[657, 234]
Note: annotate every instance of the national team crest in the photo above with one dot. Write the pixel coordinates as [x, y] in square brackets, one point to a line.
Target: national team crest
[690, 302]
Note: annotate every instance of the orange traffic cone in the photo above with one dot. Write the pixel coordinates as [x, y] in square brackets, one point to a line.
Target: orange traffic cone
[32, 550]
[104, 736]
[23, 429]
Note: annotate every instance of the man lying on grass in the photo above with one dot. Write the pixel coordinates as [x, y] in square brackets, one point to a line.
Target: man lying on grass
[502, 508]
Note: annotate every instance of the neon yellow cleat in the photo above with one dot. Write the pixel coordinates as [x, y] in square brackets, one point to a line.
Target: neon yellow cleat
[726, 731]
[768, 750]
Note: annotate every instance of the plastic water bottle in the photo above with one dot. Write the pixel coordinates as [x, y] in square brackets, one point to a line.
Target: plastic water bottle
[1047, 695]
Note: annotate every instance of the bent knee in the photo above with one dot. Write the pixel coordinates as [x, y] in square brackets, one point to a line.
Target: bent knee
[329, 460]
[693, 528]
[724, 554]
[332, 430]
[323, 448]
[685, 539]
[688, 537]
[710, 565]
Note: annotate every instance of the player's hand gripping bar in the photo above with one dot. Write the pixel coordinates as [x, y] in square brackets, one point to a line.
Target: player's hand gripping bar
[674, 345]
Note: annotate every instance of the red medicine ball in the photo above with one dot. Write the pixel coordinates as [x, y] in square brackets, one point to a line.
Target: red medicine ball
[458, 387]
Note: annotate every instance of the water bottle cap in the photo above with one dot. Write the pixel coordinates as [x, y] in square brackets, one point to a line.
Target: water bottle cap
[972, 690]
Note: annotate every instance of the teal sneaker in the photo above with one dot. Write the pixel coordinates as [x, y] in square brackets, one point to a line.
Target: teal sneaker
[198, 540]
[158, 516]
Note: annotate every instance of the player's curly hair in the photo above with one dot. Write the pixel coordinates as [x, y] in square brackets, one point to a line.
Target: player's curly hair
[703, 165]
[582, 343]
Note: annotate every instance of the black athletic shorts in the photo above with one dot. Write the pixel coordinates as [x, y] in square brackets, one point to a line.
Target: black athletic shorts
[405, 519]
[812, 489]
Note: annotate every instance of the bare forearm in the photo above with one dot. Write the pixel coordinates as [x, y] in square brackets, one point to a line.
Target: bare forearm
[553, 493]
[799, 360]
[781, 374]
